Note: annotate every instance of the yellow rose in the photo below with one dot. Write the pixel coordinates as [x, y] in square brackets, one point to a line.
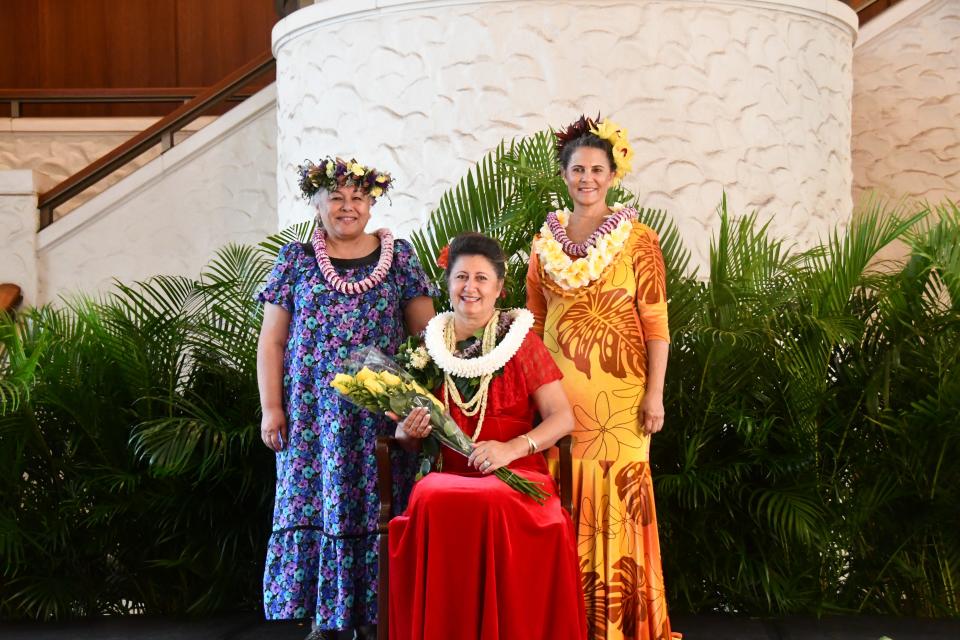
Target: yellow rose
[390, 379]
[341, 387]
[363, 375]
[376, 192]
[357, 169]
[341, 380]
[375, 387]
[383, 177]
[331, 169]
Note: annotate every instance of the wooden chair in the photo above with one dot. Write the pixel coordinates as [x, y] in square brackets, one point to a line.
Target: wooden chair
[10, 297]
[385, 444]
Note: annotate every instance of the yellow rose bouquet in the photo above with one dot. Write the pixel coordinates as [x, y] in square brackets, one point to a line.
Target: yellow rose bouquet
[378, 384]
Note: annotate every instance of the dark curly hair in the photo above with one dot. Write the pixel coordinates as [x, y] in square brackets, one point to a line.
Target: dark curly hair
[471, 243]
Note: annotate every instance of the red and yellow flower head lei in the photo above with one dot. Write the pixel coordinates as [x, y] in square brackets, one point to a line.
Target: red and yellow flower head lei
[332, 173]
[604, 129]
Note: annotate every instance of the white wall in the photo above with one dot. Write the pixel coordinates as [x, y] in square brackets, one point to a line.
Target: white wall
[18, 229]
[171, 215]
[906, 103]
[59, 147]
[749, 96]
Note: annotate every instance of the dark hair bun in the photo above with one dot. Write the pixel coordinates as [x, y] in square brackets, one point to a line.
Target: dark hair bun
[471, 243]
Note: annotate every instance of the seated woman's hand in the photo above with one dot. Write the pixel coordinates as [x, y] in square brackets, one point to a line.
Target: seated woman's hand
[490, 455]
[415, 425]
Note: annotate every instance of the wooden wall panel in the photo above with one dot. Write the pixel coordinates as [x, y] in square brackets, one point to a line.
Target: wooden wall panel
[19, 38]
[214, 34]
[50, 44]
[103, 43]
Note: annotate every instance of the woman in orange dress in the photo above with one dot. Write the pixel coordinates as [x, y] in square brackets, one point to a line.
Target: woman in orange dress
[596, 286]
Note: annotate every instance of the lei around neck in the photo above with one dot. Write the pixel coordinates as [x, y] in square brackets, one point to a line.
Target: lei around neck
[319, 242]
[522, 322]
[565, 275]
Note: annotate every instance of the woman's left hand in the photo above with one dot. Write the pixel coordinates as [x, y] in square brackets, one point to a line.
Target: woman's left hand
[490, 455]
[651, 413]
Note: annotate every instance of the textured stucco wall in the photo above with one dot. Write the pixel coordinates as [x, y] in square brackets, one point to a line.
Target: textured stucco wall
[59, 147]
[18, 229]
[748, 96]
[906, 105]
[171, 215]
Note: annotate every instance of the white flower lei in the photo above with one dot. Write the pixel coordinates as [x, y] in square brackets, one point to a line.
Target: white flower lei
[570, 274]
[476, 367]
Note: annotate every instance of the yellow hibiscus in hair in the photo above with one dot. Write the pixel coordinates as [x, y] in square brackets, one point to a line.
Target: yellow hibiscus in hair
[624, 156]
[606, 130]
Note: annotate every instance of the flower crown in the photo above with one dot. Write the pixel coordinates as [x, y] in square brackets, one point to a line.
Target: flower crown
[605, 130]
[333, 173]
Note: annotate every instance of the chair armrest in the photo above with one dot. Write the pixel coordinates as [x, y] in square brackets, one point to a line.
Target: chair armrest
[565, 472]
[385, 480]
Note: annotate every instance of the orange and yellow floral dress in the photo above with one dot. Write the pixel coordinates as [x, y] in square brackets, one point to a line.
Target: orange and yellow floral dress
[597, 335]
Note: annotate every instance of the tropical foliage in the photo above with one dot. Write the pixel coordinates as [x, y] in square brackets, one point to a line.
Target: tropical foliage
[807, 466]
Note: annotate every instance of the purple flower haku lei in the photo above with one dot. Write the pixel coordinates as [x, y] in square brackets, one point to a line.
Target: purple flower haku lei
[319, 242]
[579, 249]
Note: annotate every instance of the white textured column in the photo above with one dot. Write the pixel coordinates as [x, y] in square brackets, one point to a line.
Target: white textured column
[906, 136]
[748, 96]
[18, 230]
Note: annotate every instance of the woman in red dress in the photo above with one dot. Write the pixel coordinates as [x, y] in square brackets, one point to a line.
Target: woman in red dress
[472, 558]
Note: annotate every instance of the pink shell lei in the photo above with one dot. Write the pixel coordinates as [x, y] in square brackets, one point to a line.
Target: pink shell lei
[579, 249]
[319, 242]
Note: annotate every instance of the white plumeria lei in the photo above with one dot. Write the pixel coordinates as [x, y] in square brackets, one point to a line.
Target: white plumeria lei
[522, 322]
[570, 274]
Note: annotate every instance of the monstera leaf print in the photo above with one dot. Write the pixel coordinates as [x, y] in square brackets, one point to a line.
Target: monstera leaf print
[633, 487]
[604, 320]
[626, 603]
[595, 598]
[649, 268]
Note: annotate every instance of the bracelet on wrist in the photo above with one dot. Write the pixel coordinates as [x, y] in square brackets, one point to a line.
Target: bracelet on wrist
[531, 444]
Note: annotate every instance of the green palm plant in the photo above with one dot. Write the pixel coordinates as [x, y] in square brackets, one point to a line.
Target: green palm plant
[806, 466]
[132, 476]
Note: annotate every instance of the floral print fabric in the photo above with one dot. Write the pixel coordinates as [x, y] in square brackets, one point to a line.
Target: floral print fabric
[322, 553]
[597, 337]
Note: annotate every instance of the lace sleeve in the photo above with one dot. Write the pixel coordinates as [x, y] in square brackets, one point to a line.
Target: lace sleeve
[536, 363]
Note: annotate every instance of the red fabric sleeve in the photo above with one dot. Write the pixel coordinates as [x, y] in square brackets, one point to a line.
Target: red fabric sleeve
[536, 364]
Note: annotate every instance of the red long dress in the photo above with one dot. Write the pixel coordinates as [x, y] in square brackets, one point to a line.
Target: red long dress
[473, 559]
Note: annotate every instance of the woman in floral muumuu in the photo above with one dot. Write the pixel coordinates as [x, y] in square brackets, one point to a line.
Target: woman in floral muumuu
[345, 289]
[472, 558]
[596, 285]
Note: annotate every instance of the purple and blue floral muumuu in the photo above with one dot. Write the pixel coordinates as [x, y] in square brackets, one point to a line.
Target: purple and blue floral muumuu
[322, 554]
